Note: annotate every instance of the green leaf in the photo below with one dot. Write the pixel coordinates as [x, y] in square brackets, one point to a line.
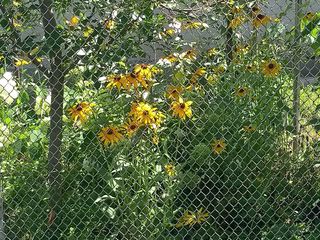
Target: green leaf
[313, 24]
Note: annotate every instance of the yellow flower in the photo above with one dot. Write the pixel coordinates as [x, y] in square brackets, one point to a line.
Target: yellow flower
[16, 23]
[174, 92]
[74, 21]
[237, 9]
[212, 79]
[249, 128]
[242, 49]
[168, 32]
[181, 108]
[131, 127]
[109, 24]
[146, 71]
[171, 58]
[255, 10]
[88, 32]
[81, 111]
[193, 25]
[21, 62]
[241, 92]
[110, 135]
[117, 81]
[220, 69]
[190, 54]
[260, 20]
[155, 139]
[133, 109]
[145, 113]
[170, 169]
[212, 52]
[309, 16]
[218, 146]
[1, 57]
[200, 71]
[236, 22]
[133, 80]
[197, 74]
[191, 218]
[271, 68]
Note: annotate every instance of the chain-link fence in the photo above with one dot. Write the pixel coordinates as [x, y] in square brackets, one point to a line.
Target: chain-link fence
[159, 120]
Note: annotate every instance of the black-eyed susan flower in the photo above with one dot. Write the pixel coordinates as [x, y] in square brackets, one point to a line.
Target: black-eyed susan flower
[255, 10]
[309, 16]
[242, 48]
[89, 30]
[191, 54]
[81, 112]
[131, 127]
[133, 110]
[249, 128]
[260, 20]
[171, 58]
[169, 32]
[110, 135]
[155, 139]
[170, 169]
[221, 68]
[271, 68]
[158, 119]
[21, 62]
[109, 24]
[213, 79]
[219, 146]
[181, 108]
[197, 74]
[190, 218]
[74, 21]
[118, 81]
[212, 52]
[241, 91]
[236, 22]
[174, 92]
[193, 25]
[134, 79]
[145, 113]
[146, 71]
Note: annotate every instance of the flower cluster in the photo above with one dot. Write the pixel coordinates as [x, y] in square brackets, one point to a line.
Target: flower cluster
[190, 218]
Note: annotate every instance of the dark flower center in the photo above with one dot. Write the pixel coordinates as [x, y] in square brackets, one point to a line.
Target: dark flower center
[133, 75]
[182, 105]
[255, 9]
[219, 145]
[189, 52]
[117, 78]
[174, 91]
[109, 131]
[133, 127]
[79, 107]
[241, 90]
[271, 65]
[145, 113]
[144, 66]
[261, 16]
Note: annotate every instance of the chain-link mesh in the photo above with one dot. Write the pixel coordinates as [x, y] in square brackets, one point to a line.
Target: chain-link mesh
[159, 120]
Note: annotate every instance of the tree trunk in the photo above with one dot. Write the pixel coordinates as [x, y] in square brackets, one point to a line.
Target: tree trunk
[296, 83]
[56, 84]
